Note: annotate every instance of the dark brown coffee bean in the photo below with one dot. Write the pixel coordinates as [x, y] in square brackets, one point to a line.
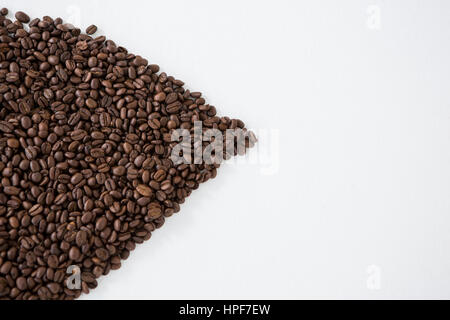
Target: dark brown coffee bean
[14, 222]
[5, 127]
[12, 77]
[35, 209]
[159, 175]
[119, 171]
[25, 122]
[6, 267]
[127, 147]
[52, 261]
[97, 135]
[54, 287]
[144, 190]
[81, 238]
[101, 224]
[12, 191]
[154, 124]
[74, 253]
[161, 96]
[13, 143]
[53, 60]
[91, 103]
[154, 212]
[76, 178]
[171, 97]
[102, 254]
[97, 153]
[174, 107]
[92, 62]
[78, 134]
[22, 17]
[21, 283]
[91, 29]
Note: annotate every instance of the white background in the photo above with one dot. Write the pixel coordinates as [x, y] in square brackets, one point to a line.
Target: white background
[349, 196]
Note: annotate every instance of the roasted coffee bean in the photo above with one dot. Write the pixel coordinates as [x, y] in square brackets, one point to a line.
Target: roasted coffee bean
[81, 238]
[91, 103]
[22, 17]
[171, 97]
[119, 171]
[52, 261]
[21, 283]
[54, 287]
[102, 254]
[12, 191]
[159, 175]
[161, 96]
[174, 107]
[78, 134]
[74, 253]
[144, 190]
[6, 127]
[91, 29]
[101, 224]
[97, 153]
[86, 154]
[14, 222]
[13, 143]
[76, 178]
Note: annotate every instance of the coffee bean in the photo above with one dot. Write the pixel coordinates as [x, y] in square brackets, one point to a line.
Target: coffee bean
[171, 124]
[127, 147]
[91, 103]
[92, 62]
[53, 60]
[12, 77]
[81, 238]
[154, 124]
[25, 122]
[78, 134]
[144, 190]
[91, 29]
[74, 253]
[173, 107]
[36, 209]
[102, 254]
[161, 96]
[14, 222]
[21, 283]
[119, 171]
[97, 153]
[85, 154]
[76, 178]
[171, 97]
[5, 126]
[101, 224]
[6, 267]
[154, 211]
[12, 191]
[159, 175]
[52, 261]
[97, 135]
[13, 143]
[54, 287]
[22, 17]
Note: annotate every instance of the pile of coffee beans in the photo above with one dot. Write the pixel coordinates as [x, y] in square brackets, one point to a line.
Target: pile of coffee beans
[85, 145]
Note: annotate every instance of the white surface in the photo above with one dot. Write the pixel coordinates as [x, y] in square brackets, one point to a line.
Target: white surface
[357, 91]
